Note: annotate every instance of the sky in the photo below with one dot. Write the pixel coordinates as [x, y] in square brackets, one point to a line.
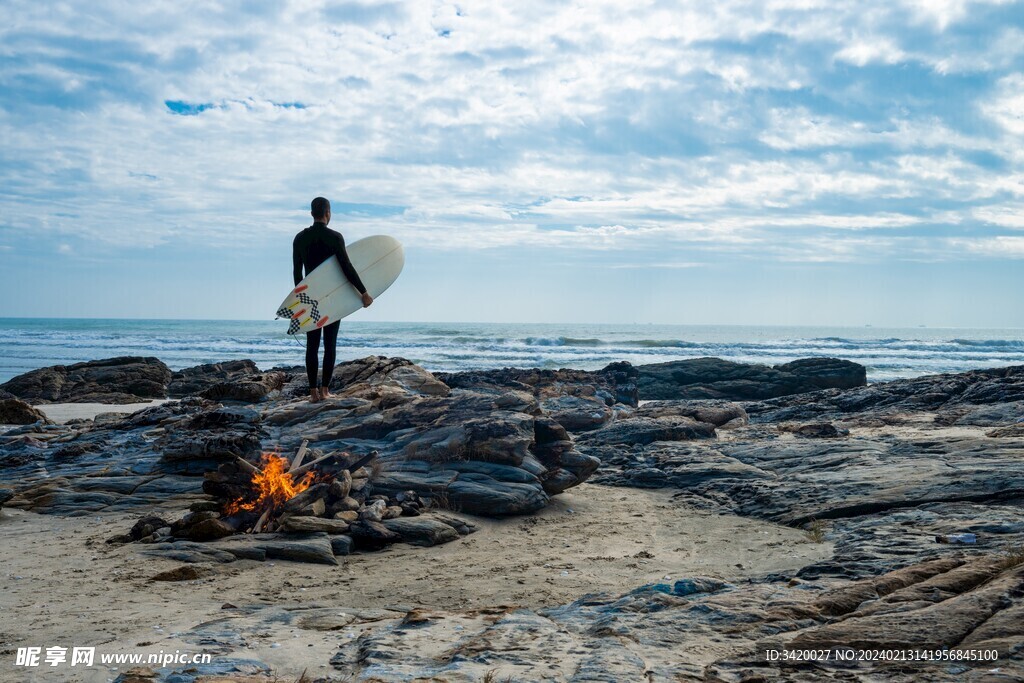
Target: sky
[790, 162]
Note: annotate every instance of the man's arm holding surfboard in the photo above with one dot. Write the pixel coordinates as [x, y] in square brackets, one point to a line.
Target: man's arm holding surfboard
[350, 271]
[296, 261]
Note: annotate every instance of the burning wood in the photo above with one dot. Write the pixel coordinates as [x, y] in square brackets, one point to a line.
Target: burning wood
[274, 485]
[299, 456]
[262, 498]
[330, 497]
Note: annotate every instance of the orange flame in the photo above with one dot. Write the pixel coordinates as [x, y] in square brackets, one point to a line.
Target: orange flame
[274, 485]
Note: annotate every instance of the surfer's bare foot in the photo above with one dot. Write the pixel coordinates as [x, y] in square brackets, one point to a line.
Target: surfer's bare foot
[324, 394]
[314, 395]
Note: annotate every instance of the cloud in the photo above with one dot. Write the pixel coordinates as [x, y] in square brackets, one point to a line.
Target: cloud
[1007, 107]
[1007, 215]
[728, 127]
[863, 52]
[1000, 246]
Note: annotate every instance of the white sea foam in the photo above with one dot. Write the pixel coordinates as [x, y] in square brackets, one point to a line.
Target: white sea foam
[887, 353]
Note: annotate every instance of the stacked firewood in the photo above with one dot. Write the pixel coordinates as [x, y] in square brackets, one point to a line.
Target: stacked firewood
[311, 491]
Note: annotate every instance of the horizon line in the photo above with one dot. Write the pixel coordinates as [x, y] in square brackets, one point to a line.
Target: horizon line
[520, 322]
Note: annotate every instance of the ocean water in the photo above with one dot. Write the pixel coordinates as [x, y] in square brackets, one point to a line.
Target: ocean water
[888, 353]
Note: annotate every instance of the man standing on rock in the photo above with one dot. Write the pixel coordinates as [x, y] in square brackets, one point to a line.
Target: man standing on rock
[311, 247]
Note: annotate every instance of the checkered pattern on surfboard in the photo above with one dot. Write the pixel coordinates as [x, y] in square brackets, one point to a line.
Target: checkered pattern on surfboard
[296, 322]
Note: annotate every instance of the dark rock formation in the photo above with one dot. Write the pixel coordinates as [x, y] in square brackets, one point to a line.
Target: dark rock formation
[955, 602]
[490, 452]
[577, 413]
[208, 438]
[883, 492]
[796, 481]
[877, 472]
[16, 412]
[248, 389]
[644, 430]
[826, 373]
[702, 378]
[315, 548]
[195, 380]
[814, 430]
[126, 379]
[615, 383]
[486, 452]
[955, 395]
[717, 413]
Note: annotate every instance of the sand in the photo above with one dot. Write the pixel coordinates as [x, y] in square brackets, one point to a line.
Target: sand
[65, 586]
[63, 412]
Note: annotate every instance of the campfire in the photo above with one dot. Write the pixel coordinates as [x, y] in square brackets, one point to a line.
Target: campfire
[274, 484]
[263, 498]
[331, 494]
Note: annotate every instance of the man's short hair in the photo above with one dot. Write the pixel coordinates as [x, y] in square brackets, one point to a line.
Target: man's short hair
[319, 207]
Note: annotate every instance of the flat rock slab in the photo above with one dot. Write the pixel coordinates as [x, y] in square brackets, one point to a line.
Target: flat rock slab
[955, 395]
[644, 430]
[422, 530]
[315, 548]
[955, 602]
[797, 480]
[715, 378]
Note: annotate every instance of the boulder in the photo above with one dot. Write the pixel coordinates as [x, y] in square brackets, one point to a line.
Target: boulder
[210, 437]
[375, 375]
[16, 412]
[307, 524]
[367, 535]
[127, 379]
[341, 545]
[826, 373]
[489, 497]
[313, 547]
[644, 430]
[501, 437]
[195, 380]
[703, 378]
[615, 383]
[577, 413]
[425, 531]
[814, 430]
[714, 412]
[247, 389]
[209, 530]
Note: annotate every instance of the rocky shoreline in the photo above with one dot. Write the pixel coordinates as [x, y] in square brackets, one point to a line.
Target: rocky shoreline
[883, 472]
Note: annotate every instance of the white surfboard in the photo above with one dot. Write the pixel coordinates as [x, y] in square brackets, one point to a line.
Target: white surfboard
[326, 296]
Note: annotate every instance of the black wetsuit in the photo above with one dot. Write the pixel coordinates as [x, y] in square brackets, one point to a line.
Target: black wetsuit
[311, 247]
